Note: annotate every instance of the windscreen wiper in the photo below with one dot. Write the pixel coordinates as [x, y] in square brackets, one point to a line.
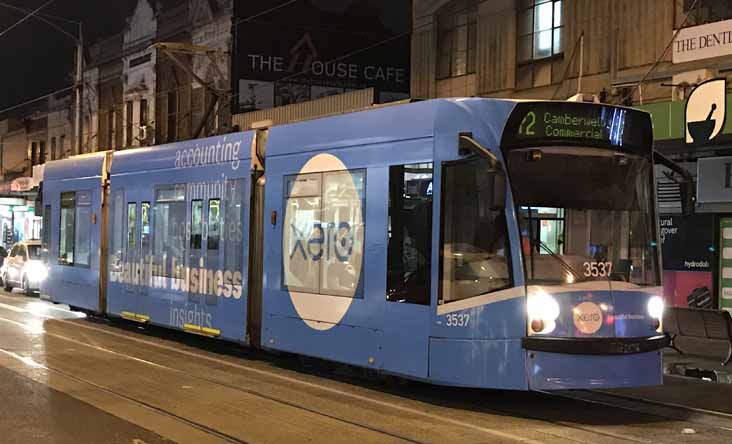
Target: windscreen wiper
[568, 268]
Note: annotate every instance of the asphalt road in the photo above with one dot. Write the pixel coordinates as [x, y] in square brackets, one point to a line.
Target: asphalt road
[66, 379]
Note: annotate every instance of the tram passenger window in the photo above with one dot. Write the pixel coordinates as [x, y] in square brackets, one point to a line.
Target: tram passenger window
[46, 232]
[131, 226]
[409, 264]
[232, 228]
[214, 224]
[145, 229]
[66, 229]
[474, 233]
[169, 231]
[196, 224]
[118, 221]
[82, 238]
[323, 232]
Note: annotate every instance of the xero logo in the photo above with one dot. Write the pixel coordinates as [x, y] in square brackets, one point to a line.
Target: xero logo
[323, 239]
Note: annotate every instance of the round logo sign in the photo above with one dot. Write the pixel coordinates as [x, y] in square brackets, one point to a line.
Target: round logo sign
[323, 240]
[587, 317]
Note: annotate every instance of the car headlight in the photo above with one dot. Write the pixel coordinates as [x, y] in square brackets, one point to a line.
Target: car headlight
[36, 271]
[543, 311]
[655, 307]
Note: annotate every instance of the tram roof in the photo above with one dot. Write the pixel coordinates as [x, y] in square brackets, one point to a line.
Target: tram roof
[75, 167]
[385, 124]
[224, 149]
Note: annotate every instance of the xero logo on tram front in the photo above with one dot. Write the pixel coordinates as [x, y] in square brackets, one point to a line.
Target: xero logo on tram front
[324, 241]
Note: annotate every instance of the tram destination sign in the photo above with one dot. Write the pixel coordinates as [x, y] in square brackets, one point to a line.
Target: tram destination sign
[578, 124]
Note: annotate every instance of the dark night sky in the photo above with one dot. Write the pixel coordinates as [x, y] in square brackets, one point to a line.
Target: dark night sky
[36, 59]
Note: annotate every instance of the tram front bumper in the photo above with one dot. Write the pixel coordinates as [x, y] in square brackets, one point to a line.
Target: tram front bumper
[595, 346]
[591, 363]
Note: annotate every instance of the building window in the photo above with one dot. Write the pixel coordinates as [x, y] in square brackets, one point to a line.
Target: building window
[33, 153]
[42, 152]
[702, 11]
[457, 36]
[111, 128]
[172, 116]
[409, 251]
[128, 124]
[143, 121]
[540, 29]
[62, 147]
[53, 148]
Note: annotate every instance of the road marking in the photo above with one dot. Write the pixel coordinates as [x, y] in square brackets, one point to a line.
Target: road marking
[24, 359]
[13, 308]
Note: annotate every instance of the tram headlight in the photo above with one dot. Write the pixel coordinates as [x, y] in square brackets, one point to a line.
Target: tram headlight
[543, 311]
[655, 307]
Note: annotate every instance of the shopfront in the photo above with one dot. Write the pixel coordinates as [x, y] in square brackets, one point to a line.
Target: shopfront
[696, 248]
[18, 220]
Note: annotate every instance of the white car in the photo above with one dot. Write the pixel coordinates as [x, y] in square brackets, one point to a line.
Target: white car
[24, 268]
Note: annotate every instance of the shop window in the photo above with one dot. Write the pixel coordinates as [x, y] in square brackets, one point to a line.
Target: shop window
[702, 11]
[457, 38]
[169, 230]
[66, 229]
[409, 264]
[323, 232]
[474, 232]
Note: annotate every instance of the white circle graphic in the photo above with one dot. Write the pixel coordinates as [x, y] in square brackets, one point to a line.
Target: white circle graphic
[587, 317]
[322, 242]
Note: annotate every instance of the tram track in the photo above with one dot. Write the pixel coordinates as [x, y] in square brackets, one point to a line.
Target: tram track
[473, 405]
[636, 404]
[182, 419]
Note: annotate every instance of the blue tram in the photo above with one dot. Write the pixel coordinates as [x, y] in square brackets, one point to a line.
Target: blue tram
[467, 242]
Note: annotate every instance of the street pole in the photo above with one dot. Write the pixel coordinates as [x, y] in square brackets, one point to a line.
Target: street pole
[79, 90]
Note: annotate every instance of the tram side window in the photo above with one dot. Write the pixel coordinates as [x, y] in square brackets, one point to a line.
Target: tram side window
[474, 234]
[118, 224]
[409, 264]
[46, 232]
[169, 232]
[323, 232]
[82, 238]
[214, 224]
[196, 224]
[232, 227]
[66, 229]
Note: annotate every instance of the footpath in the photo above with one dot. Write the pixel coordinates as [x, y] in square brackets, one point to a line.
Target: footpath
[695, 379]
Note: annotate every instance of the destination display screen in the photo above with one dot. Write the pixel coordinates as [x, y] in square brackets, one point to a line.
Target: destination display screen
[579, 124]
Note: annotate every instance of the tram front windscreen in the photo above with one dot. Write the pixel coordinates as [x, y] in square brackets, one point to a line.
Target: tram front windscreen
[585, 214]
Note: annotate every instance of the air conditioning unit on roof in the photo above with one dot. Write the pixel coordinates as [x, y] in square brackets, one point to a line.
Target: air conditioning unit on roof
[684, 82]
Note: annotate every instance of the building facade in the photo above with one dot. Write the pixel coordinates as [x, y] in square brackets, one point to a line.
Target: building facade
[554, 49]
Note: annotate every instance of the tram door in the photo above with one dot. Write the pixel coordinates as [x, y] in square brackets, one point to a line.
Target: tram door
[204, 250]
[137, 247]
